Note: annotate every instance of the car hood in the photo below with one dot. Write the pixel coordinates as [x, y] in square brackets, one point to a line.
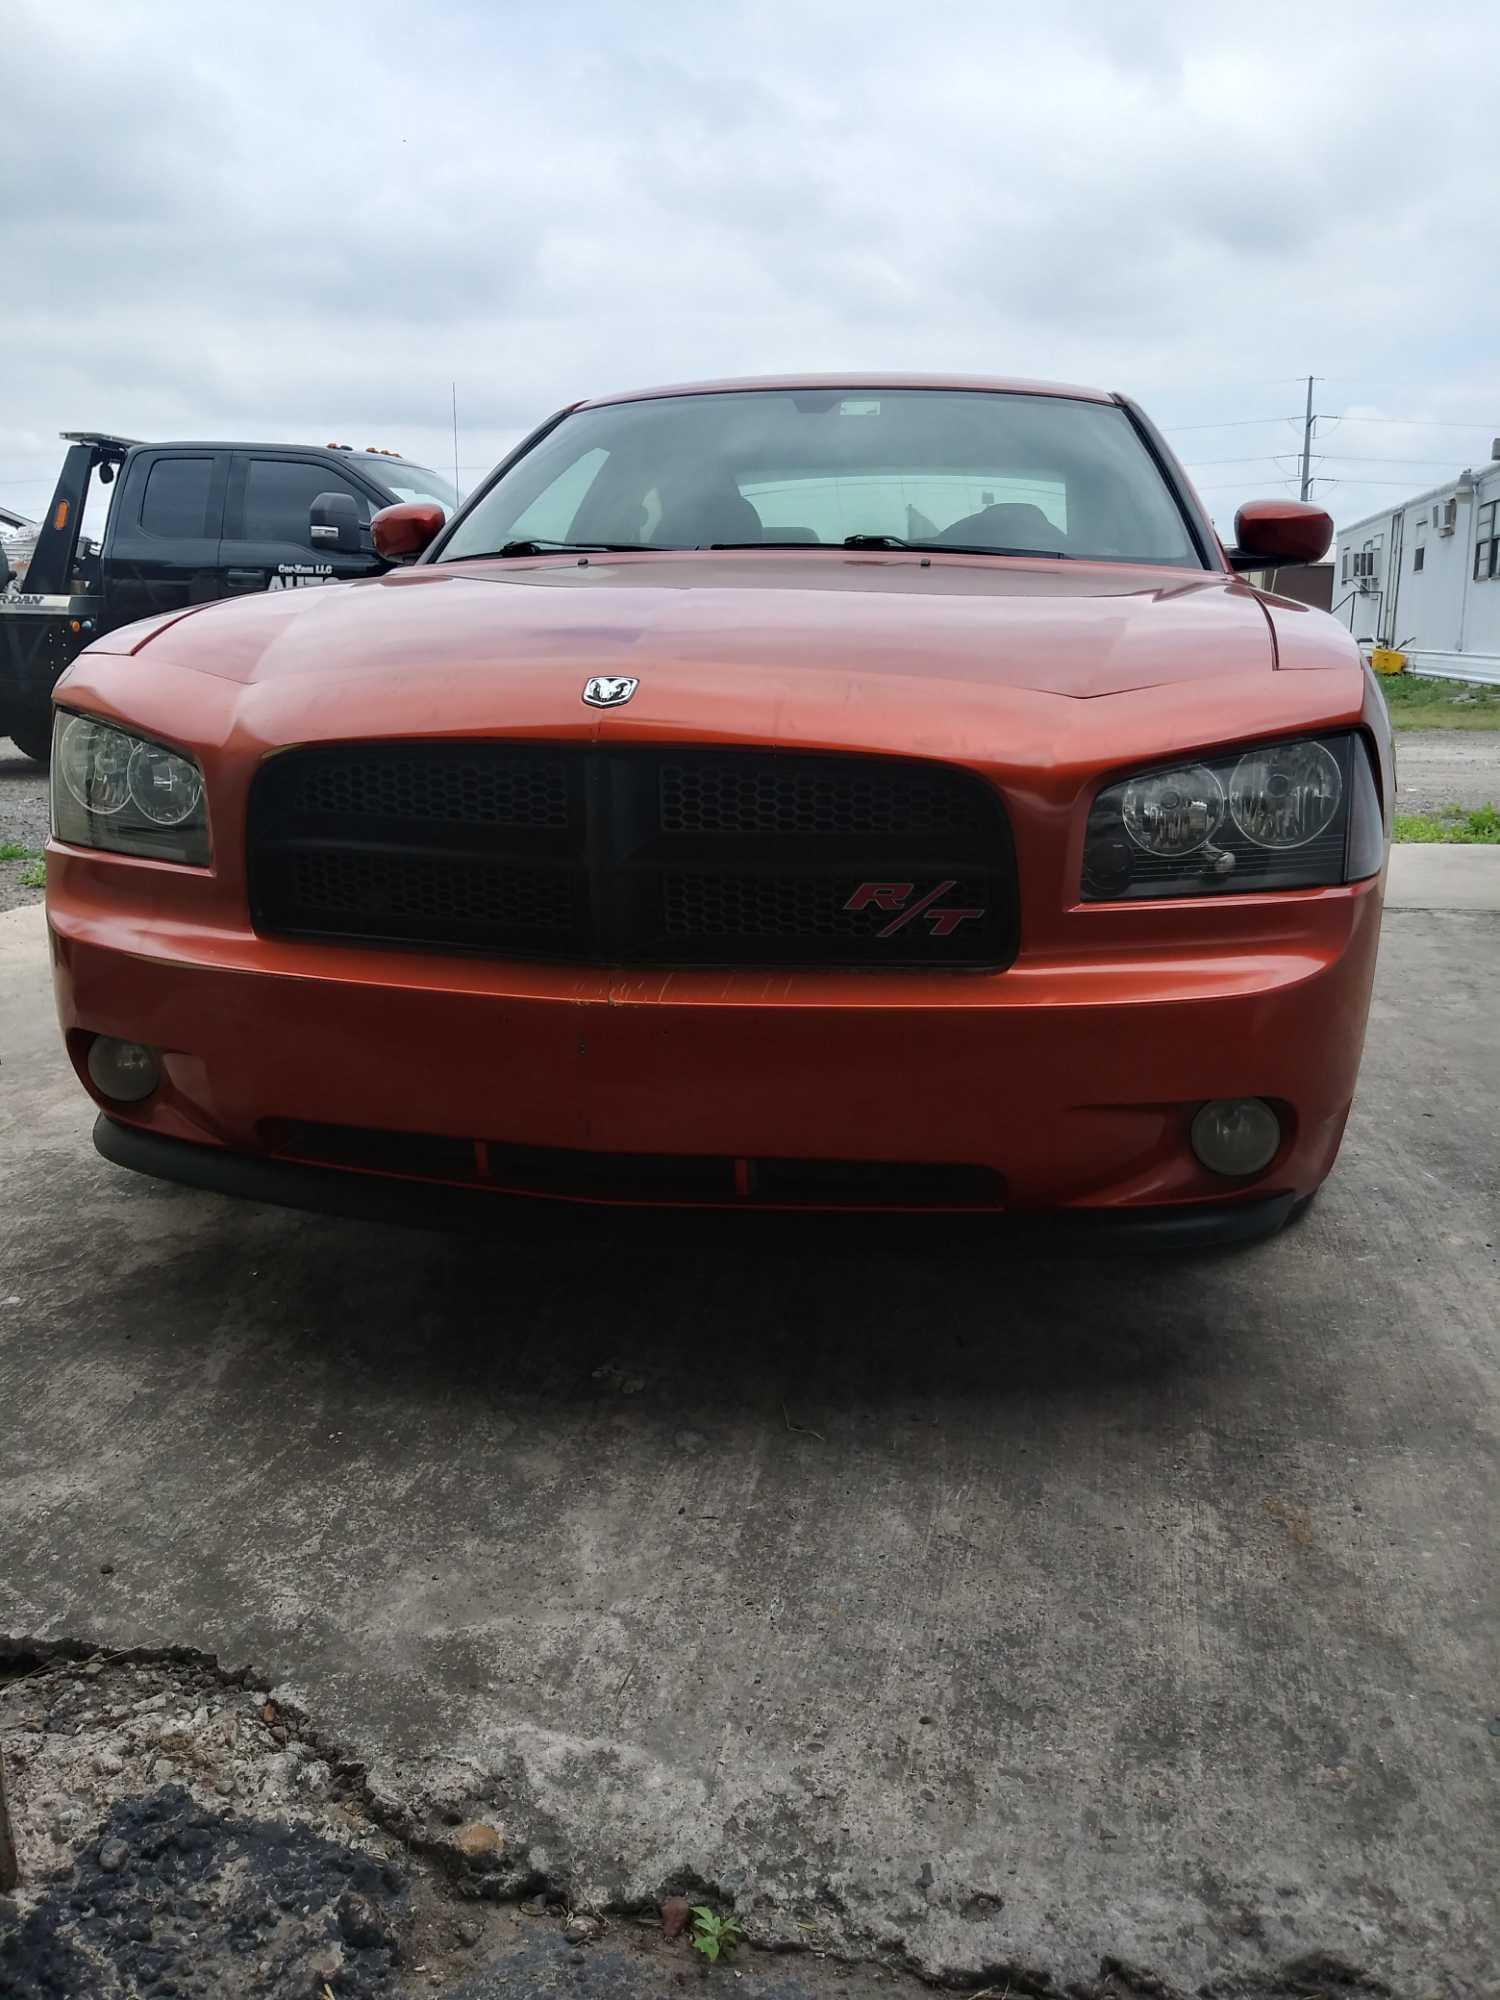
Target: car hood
[802, 624]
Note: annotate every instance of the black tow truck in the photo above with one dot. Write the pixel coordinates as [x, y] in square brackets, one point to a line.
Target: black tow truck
[187, 523]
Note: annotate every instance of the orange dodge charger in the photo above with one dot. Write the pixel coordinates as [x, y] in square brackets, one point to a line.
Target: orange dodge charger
[805, 794]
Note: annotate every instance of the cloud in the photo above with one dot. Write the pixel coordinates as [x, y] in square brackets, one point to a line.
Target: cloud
[310, 225]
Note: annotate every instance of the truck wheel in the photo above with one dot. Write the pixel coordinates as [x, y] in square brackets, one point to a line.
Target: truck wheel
[32, 735]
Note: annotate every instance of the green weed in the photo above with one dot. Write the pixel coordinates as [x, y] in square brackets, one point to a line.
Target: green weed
[714, 1935]
[1480, 828]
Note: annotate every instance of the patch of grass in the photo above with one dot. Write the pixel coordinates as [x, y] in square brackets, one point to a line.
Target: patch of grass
[1480, 828]
[35, 877]
[1415, 702]
[9, 851]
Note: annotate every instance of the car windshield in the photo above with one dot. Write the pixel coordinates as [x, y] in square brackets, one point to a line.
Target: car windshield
[413, 482]
[994, 471]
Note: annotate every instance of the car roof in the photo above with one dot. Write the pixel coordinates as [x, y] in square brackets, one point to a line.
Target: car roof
[858, 379]
[365, 458]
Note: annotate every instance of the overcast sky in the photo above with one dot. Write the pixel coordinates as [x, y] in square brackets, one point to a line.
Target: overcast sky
[304, 222]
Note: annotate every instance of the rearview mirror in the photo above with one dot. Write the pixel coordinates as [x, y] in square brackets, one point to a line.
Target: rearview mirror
[401, 532]
[1268, 533]
[333, 522]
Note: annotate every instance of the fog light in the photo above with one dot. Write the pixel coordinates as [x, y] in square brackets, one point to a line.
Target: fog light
[125, 1071]
[1236, 1135]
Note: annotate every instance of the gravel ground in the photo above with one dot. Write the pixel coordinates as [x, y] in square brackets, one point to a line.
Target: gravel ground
[1442, 767]
[169, 1822]
[23, 820]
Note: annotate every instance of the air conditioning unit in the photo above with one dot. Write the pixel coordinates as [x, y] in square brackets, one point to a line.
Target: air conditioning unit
[1450, 517]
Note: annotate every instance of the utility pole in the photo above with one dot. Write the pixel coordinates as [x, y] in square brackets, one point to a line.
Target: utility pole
[1307, 430]
[454, 387]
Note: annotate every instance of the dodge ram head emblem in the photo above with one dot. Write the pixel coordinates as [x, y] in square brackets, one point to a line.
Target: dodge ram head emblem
[604, 691]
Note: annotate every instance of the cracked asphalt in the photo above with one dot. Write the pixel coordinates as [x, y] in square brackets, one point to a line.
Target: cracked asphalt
[994, 1619]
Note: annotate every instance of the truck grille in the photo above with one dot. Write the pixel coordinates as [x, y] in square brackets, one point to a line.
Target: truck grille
[635, 857]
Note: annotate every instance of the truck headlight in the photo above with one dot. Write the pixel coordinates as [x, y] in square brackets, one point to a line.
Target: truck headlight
[1293, 815]
[124, 793]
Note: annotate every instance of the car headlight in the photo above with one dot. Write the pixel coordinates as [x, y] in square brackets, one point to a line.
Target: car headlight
[1295, 815]
[122, 792]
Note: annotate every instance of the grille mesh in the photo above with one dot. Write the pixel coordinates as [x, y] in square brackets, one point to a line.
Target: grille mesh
[633, 856]
[725, 796]
[378, 891]
[466, 790]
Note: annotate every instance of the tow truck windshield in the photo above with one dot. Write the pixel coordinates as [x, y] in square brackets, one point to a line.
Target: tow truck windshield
[411, 482]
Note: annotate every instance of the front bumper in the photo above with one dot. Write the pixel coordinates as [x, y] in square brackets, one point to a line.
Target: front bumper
[1070, 1079]
[538, 1221]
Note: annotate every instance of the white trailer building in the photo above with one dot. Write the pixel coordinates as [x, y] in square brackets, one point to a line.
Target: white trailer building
[1424, 577]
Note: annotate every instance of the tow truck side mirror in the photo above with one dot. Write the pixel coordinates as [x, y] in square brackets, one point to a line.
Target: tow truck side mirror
[403, 531]
[333, 523]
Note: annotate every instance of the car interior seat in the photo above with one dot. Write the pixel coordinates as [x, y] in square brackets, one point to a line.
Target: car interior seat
[702, 514]
[1007, 524]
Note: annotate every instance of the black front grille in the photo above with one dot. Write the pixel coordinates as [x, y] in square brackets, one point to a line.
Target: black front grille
[465, 790]
[707, 1179]
[635, 857]
[762, 795]
[456, 894]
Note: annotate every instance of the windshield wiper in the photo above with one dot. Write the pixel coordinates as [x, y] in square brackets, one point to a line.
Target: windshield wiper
[950, 548]
[900, 542]
[540, 545]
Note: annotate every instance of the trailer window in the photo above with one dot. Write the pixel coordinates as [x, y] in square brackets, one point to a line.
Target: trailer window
[175, 503]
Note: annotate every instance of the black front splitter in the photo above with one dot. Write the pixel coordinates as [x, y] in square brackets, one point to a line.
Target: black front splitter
[538, 1219]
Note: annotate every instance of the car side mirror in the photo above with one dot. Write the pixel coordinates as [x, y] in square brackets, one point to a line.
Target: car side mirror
[333, 523]
[1269, 533]
[401, 532]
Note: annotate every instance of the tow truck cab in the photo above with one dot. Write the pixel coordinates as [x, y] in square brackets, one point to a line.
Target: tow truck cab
[188, 523]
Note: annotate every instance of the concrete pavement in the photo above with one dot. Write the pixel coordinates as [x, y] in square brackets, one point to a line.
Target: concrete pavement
[1444, 878]
[1001, 1617]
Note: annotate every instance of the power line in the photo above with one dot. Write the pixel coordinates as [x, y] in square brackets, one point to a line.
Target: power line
[1324, 457]
[1260, 458]
[1357, 458]
[1233, 424]
[1329, 480]
[1340, 417]
[1318, 479]
[1421, 423]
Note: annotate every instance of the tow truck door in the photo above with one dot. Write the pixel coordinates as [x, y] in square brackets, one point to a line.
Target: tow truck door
[161, 547]
[267, 543]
